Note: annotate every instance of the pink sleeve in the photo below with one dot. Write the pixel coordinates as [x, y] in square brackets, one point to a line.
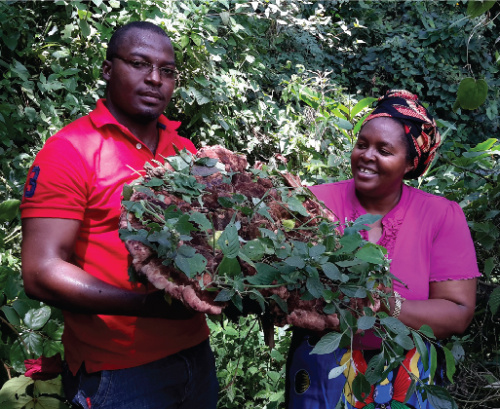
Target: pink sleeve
[453, 256]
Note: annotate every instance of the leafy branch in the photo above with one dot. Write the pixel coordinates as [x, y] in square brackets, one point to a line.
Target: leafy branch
[271, 255]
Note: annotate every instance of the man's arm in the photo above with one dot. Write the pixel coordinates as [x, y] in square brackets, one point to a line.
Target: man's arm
[49, 276]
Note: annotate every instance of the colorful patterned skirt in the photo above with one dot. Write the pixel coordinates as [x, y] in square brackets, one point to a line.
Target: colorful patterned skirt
[308, 385]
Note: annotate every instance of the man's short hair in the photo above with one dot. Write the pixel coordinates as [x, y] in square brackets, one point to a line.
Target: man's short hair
[117, 38]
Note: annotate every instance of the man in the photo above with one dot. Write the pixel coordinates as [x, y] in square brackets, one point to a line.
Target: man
[125, 346]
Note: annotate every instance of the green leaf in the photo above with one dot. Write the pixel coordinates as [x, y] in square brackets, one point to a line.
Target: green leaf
[433, 361]
[50, 387]
[328, 343]
[20, 70]
[375, 368]
[394, 325]
[295, 205]
[366, 219]
[450, 363]
[300, 248]
[11, 40]
[331, 271]
[253, 249]
[51, 348]
[34, 342]
[361, 387]
[30, 113]
[184, 226]
[494, 301]
[229, 266]
[13, 392]
[337, 371]
[295, 261]
[341, 123]
[22, 306]
[201, 220]
[225, 201]
[253, 295]
[266, 274]
[225, 295]
[471, 94]
[229, 241]
[196, 39]
[351, 290]
[489, 265]
[237, 301]
[317, 251]
[458, 351]
[411, 390]
[475, 8]
[281, 303]
[315, 287]
[365, 322]
[365, 102]
[172, 212]
[127, 192]
[359, 124]
[134, 207]
[439, 397]
[421, 349]
[206, 161]
[371, 253]
[12, 285]
[288, 224]
[35, 319]
[184, 41]
[11, 315]
[349, 243]
[427, 331]
[404, 341]
[9, 209]
[191, 265]
[53, 329]
[484, 146]
[154, 182]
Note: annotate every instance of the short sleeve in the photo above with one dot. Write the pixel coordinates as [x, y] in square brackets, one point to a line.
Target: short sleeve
[453, 256]
[57, 183]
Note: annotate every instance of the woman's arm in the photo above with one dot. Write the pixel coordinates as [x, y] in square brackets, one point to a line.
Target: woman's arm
[448, 311]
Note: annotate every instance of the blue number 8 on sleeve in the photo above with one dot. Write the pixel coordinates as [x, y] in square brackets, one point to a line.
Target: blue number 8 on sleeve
[31, 185]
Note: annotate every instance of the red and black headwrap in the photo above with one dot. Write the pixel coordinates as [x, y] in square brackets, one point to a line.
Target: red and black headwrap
[420, 127]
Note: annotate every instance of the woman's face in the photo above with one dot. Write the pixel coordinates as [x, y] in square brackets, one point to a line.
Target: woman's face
[379, 159]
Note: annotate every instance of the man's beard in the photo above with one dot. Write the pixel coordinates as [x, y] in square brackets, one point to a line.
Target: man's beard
[148, 115]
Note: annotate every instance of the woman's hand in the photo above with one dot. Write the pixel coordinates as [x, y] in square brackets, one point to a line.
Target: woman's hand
[377, 302]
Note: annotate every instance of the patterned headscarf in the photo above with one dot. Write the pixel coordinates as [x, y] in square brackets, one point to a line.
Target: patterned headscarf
[420, 127]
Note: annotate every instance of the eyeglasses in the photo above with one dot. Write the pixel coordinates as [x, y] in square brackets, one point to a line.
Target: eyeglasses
[146, 68]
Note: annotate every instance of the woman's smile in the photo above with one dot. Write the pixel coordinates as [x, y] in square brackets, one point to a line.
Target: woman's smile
[379, 159]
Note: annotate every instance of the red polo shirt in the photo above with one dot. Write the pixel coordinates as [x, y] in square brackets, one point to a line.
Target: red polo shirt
[79, 174]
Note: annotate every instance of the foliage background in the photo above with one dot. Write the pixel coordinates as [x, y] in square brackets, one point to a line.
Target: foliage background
[260, 77]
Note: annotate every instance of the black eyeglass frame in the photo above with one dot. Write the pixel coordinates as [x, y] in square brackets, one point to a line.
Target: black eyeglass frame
[147, 68]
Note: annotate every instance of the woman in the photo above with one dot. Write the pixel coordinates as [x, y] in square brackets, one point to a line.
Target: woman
[427, 239]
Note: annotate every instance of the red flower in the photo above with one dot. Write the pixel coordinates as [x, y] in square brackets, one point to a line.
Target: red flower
[43, 368]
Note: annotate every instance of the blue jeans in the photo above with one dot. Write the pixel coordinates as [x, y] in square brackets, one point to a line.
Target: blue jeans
[186, 380]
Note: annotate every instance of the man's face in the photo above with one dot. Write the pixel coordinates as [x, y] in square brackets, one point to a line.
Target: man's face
[134, 96]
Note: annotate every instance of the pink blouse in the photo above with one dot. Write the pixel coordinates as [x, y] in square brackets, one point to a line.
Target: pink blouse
[427, 236]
